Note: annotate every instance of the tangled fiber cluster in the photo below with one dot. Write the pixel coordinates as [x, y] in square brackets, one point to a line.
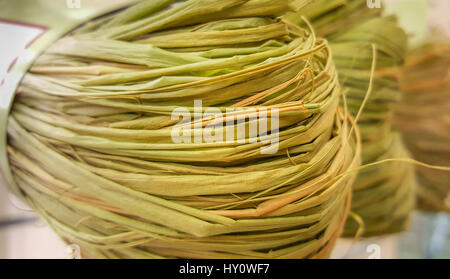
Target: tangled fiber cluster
[91, 147]
[423, 116]
[361, 39]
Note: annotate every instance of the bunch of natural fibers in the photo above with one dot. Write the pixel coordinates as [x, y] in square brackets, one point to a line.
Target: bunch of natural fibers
[90, 135]
[366, 49]
[384, 195]
[423, 116]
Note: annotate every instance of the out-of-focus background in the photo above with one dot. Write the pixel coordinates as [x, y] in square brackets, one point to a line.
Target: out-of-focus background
[23, 235]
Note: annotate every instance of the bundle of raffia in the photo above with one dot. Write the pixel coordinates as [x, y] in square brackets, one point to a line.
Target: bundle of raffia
[384, 194]
[367, 49]
[96, 150]
[423, 116]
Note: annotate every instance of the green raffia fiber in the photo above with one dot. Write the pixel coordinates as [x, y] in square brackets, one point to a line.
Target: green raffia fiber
[90, 135]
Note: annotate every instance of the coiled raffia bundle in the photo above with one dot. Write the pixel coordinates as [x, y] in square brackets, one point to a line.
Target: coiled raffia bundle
[384, 194]
[360, 39]
[90, 135]
[423, 116]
